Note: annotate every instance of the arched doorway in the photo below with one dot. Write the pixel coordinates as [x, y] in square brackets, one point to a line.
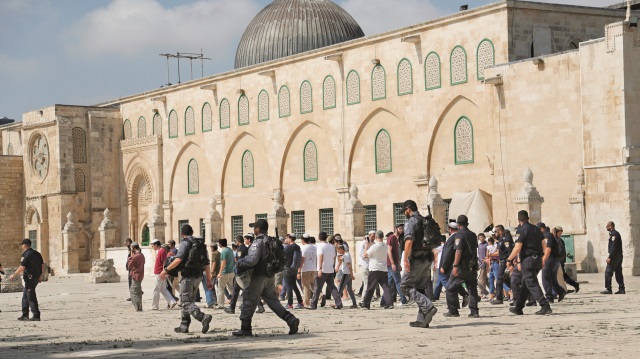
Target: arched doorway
[145, 235]
[140, 200]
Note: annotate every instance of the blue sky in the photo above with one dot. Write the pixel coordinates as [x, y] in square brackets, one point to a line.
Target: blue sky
[82, 52]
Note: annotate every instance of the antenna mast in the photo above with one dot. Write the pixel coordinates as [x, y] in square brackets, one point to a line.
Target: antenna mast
[185, 55]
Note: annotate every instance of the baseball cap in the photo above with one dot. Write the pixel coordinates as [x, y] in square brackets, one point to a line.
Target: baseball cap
[261, 223]
[26, 241]
[155, 241]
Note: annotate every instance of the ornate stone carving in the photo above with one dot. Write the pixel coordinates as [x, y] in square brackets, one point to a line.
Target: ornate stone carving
[378, 83]
[247, 169]
[40, 156]
[405, 80]
[157, 124]
[263, 106]
[432, 71]
[464, 141]
[127, 130]
[329, 92]
[306, 97]
[79, 180]
[207, 118]
[189, 121]
[136, 144]
[225, 114]
[142, 127]
[486, 57]
[173, 124]
[458, 66]
[383, 152]
[284, 102]
[79, 145]
[243, 110]
[194, 179]
[353, 88]
[310, 162]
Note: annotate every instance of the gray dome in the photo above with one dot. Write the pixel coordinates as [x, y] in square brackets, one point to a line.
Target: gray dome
[289, 27]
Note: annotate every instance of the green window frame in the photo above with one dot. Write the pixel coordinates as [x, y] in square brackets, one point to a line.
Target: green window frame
[245, 98]
[493, 59]
[326, 220]
[246, 184]
[157, 119]
[350, 100]
[308, 175]
[384, 83]
[398, 214]
[126, 130]
[426, 60]
[173, 117]
[370, 218]
[224, 103]
[193, 177]
[404, 60]
[261, 117]
[237, 226]
[142, 127]
[208, 128]
[325, 86]
[188, 112]
[378, 169]
[466, 65]
[455, 142]
[298, 222]
[280, 99]
[302, 111]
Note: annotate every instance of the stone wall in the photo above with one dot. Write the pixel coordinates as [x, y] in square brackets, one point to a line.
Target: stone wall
[12, 209]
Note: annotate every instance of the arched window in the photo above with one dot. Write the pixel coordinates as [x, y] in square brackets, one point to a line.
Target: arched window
[463, 141]
[329, 93]
[189, 121]
[284, 102]
[353, 88]
[142, 127]
[10, 150]
[247, 169]
[127, 130]
[207, 117]
[225, 114]
[432, 72]
[306, 97]
[310, 162]
[378, 83]
[458, 66]
[79, 139]
[173, 124]
[263, 106]
[383, 152]
[485, 57]
[79, 180]
[157, 124]
[243, 110]
[193, 176]
[405, 78]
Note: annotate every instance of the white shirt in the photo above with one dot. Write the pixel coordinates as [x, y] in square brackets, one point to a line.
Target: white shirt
[440, 253]
[310, 255]
[364, 262]
[378, 257]
[346, 258]
[329, 253]
[491, 249]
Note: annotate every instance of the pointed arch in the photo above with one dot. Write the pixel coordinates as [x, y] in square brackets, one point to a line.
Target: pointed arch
[284, 102]
[328, 93]
[310, 161]
[485, 57]
[306, 97]
[157, 124]
[225, 114]
[353, 88]
[463, 141]
[142, 127]
[207, 117]
[189, 121]
[378, 83]
[243, 110]
[173, 124]
[263, 106]
[127, 129]
[432, 71]
[383, 152]
[247, 170]
[32, 217]
[193, 177]
[458, 68]
[405, 77]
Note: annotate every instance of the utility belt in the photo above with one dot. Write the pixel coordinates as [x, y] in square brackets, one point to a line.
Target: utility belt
[421, 255]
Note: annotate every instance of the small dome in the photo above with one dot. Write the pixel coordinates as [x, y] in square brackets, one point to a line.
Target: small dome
[289, 27]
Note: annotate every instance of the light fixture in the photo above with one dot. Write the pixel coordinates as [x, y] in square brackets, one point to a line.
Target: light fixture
[240, 92]
[334, 57]
[211, 87]
[414, 39]
[538, 61]
[464, 7]
[269, 73]
[154, 110]
[159, 98]
[496, 80]
[375, 61]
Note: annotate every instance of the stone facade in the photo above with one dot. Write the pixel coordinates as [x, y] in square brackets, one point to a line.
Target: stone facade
[11, 209]
[333, 138]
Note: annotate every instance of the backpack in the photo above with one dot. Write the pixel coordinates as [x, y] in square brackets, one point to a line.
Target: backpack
[432, 235]
[275, 256]
[197, 258]
[167, 262]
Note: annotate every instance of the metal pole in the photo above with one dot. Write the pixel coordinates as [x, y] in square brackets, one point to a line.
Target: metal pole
[179, 68]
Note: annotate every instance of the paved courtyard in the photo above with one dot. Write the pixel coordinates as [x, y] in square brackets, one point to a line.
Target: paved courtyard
[82, 320]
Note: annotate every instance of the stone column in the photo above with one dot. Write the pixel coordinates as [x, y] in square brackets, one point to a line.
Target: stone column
[578, 223]
[70, 255]
[278, 218]
[354, 222]
[157, 226]
[107, 234]
[529, 198]
[437, 204]
[213, 223]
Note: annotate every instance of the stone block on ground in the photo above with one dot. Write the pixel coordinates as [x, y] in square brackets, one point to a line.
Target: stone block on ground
[11, 286]
[103, 271]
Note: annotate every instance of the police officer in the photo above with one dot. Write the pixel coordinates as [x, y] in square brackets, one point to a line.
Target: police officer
[243, 250]
[465, 270]
[529, 245]
[446, 262]
[417, 266]
[189, 283]
[550, 266]
[32, 265]
[261, 285]
[505, 246]
[614, 261]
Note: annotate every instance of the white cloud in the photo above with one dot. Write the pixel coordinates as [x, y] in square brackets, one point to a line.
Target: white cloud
[377, 16]
[131, 27]
[18, 67]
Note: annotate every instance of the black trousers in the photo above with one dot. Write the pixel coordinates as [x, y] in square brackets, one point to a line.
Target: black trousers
[470, 278]
[568, 278]
[500, 280]
[530, 267]
[516, 283]
[289, 279]
[615, 267]
[234, 295]
[331, 287]
[550, 278]
[29, 298]
[377, 278]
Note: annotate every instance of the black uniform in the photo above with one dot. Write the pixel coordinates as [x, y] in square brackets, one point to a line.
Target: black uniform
[562, 258]
[550, 270]
[615, 254]
[466, 242]
[32, 262]
[505, 247]
[261, 286]
[241, 252]
[446, 261]
[531, 264]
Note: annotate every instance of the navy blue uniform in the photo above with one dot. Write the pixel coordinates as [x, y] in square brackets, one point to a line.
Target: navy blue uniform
[531, 264]
[32, 262]
[550, 270]
[467, 244]
[615, 265]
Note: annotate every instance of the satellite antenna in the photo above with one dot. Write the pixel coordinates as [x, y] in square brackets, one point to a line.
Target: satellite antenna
[184, 55]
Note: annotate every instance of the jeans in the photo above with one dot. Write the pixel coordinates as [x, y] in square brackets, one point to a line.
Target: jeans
[394, 280]
[29, 298]
[500, 280]
[347, 282]
[209, 294]
[290, 282]
[441, 283]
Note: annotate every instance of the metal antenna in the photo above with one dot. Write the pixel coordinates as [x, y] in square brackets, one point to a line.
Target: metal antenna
[185, 55]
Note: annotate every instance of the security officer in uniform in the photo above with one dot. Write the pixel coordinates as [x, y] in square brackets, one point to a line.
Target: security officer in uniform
[614, 261]
[417, 266]
[505, 246]
[529, 245]
[465, 270]
[261, 285]
[189, 282]
[550, 266]
[32, 265]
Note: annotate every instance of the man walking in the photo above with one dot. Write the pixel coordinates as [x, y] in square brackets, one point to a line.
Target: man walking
[550, 266]
[161, 284]
[293, 259]
[326, 273]
[377, 255]
[417, 262]
[393, 264]
[308, 271]
[614, 261]
[562, 258]
[482, 265]
[465, 270]
[505, 247]
[227, 269]
[136, 271]
[127, 243]
[32, 265]
[261, 285]
[191, 278]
